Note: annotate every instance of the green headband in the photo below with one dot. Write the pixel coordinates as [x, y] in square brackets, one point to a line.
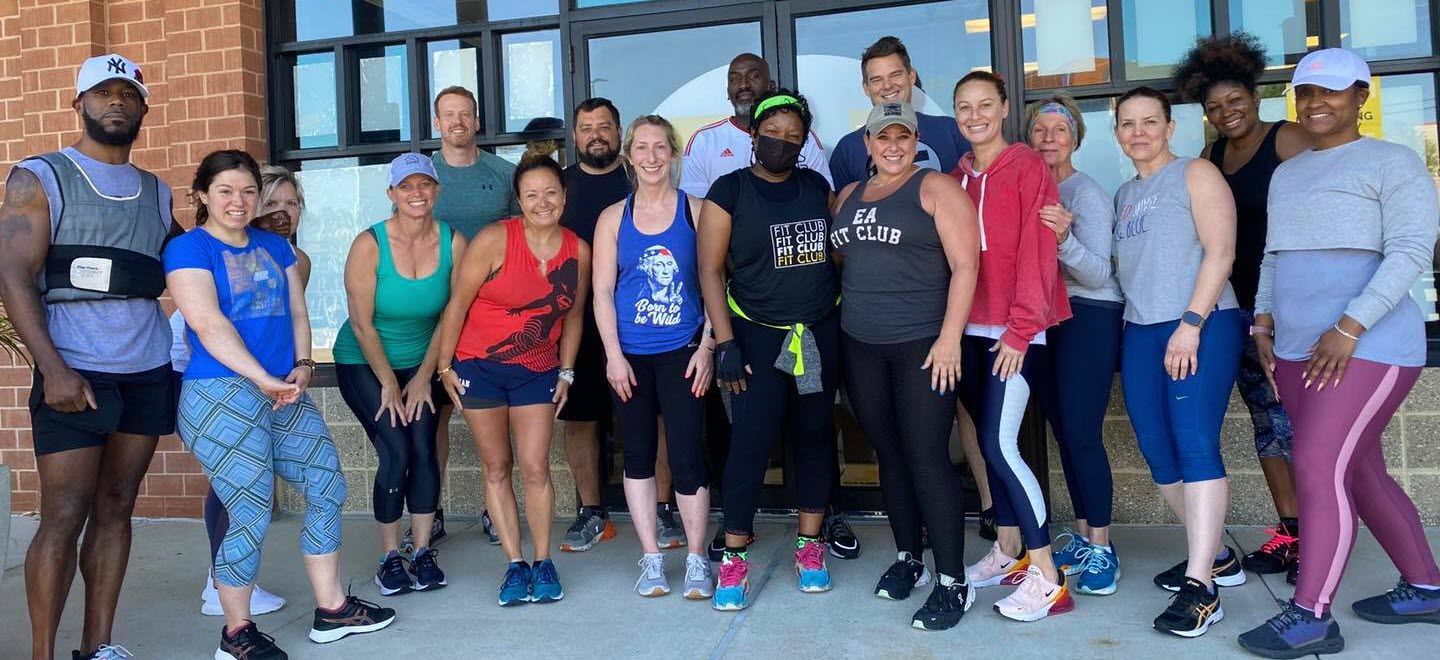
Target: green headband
[779, 99]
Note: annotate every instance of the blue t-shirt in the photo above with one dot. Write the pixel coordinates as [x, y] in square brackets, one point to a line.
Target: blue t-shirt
[253, 293]
[939, 149]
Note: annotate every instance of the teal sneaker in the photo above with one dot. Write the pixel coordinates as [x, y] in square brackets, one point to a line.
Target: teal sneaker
[1070, 558]
[1100, 572]
[515, 589]
[810, 565]
[545, 583]
[732, 590]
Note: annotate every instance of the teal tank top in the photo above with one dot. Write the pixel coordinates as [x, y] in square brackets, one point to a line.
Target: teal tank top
[406, 310]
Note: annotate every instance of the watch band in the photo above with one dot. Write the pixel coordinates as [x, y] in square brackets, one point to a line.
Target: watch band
[305, 362]
[568, 375]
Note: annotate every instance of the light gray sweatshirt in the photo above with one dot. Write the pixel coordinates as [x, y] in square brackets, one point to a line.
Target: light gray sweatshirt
[1085, 253]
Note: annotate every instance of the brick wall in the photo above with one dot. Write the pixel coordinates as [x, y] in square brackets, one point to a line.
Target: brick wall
[204, 64]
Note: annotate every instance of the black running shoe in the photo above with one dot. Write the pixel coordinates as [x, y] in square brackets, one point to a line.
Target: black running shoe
[357, 616]
[837, 534]
[1278, 554]
[1225, 572]
[488, 526]
[902, 577]
[394, 578]
[428, 576]
[945, 606]
[987, 525]
[1293, 575]
[1193, 609]
[248, 643]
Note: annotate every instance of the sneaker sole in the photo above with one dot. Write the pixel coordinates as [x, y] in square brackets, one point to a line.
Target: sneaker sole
[386, 591]
[541, 600]
[512, 603]
[327, 636]
[433, 586]
[698, 594]
[1398, 619]
[1220, 580]
[1103, 591]
[1323, 647]
[1007, 579]
[672, 544]
[729, 607]
[606, 533]
[1215, 618]
[655, 592]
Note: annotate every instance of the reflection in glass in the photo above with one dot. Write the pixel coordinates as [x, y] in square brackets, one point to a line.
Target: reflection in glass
[532, 69]
[502, 10]
[1288, 28]
[453, 62]
[679, 74]
[1385, 29]
[324, 19]
[946, 40]
[1066, 42]
[315, 119]
[1158, 32]
[384, 94]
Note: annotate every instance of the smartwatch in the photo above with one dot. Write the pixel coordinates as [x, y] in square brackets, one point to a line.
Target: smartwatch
[1191, 318]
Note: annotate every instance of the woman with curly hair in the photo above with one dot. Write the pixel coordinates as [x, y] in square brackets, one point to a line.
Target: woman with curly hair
[1222, 73]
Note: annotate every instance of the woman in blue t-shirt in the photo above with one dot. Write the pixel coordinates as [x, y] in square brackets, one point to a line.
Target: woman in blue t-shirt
[649, 313]
[243, 411]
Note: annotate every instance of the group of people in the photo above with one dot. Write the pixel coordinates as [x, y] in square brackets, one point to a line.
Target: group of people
[938, 272]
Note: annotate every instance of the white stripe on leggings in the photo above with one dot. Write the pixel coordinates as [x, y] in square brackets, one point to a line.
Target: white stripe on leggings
[1012, 412]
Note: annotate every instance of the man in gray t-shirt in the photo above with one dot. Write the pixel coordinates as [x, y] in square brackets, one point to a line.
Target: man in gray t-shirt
[475, 185]
[81, 232]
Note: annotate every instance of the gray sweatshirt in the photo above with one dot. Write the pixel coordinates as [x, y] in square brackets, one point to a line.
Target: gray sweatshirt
[1085, 253]
[1364, 195]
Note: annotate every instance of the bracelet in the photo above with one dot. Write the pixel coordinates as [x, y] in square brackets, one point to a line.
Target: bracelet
[1346, 334]
[1261, 330]
[446, 370]
[305, 362]
[567, 375]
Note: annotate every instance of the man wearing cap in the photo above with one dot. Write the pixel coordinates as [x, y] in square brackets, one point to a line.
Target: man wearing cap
[81, 232]
[726, 145]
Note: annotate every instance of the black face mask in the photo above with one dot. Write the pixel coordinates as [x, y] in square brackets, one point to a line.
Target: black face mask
[775, 155]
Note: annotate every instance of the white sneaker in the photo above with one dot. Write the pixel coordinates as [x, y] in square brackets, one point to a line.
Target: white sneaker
[261, 601]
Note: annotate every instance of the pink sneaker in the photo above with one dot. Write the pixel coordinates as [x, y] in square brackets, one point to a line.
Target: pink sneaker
[732, 590]
[1036, 598]
[814, 576]
[996, 567]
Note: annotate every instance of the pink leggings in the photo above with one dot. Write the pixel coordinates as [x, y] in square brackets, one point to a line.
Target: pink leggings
[1340, 472]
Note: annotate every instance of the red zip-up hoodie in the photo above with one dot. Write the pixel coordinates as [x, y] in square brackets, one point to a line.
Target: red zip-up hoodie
[1019, 286]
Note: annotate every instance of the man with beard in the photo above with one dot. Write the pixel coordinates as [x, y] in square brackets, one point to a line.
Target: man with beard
[725, 146]
[81, 233]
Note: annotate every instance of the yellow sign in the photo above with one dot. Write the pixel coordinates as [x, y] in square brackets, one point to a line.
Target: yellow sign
[1370, 117]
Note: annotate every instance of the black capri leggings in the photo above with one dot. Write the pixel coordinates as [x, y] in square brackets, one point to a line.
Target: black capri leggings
[662, 389]
[408, 474]
[770, 403]
[909, 426]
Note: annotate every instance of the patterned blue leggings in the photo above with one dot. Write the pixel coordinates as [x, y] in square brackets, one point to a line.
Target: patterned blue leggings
[242, 444]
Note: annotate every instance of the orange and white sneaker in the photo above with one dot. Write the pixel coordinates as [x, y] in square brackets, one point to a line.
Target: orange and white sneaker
[996, 567]
[1036, 598]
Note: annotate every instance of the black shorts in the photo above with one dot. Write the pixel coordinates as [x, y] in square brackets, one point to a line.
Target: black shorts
[140, 403]
[589, 398]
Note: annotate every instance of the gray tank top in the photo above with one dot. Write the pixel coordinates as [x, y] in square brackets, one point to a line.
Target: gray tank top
[1157, 252]
[895, 279]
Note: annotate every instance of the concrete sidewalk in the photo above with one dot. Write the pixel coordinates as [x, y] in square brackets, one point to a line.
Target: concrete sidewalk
[602, 617]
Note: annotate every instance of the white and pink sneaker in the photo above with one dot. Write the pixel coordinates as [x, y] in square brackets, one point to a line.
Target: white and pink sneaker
[1036, 598]
[996, 567]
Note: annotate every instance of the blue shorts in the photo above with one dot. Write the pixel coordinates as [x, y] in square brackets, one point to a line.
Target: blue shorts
[490, 384]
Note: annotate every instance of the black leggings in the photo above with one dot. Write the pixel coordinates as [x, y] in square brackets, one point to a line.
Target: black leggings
[662, 389]
[909, 426]
[771, 403]
[409, 473]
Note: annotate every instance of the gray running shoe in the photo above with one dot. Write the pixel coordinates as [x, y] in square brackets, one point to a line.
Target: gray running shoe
[699, 583]
[488, 525]
[670, 532]
[652, 580]
[587, 530]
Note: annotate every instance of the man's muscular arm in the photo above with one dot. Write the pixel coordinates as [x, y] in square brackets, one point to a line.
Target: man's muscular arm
[24, 242]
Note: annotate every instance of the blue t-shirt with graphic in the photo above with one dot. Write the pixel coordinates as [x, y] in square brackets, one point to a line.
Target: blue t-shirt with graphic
[940, 147]
[253, 292]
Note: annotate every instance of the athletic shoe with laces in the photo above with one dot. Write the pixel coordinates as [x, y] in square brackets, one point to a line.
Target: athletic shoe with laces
[996, 567]
[1406, 603]
[1277, 555]
[652, 580]
[248, 643]
[987, 525]
[515, 588]
[837, 534]
[428, 576]
[1294, 633]
[437, 532]
[1193, 609]
[261, 601]
[1036, 598]
[393, 578]
[488, 526]
[810, 569]
[105, 652]
[1293, 575]
[355, 617]
[732, 589]
[1224, 572]
[1071, 556]
[699, 583]
[588, 529]
[668, 531]
[1099, 571]
[902, 577]
[545, 583]
[945, 606]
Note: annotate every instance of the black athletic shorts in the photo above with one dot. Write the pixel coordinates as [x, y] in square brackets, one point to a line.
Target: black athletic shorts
[141, 403]
[589, 398]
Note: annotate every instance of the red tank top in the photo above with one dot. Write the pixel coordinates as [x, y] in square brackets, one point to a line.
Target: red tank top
[517, 316]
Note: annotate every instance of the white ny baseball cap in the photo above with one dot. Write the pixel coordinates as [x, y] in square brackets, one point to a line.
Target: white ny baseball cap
[1332, 68]
[104, 68]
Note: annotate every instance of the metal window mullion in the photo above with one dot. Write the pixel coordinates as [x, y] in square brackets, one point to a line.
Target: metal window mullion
[1329, 23]
[777, 43]
[1006, 58]
[1220, 17]
[417, 64]
[1115, 32]
[347, 86]
[493, 96]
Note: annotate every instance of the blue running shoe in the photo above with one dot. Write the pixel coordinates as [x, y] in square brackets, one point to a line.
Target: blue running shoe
[1406, 603]
[1070, 558]
[732, 590]
[810, 565]
[1099, 572]
[1294, 633]
[515, 590]
[545, 583]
